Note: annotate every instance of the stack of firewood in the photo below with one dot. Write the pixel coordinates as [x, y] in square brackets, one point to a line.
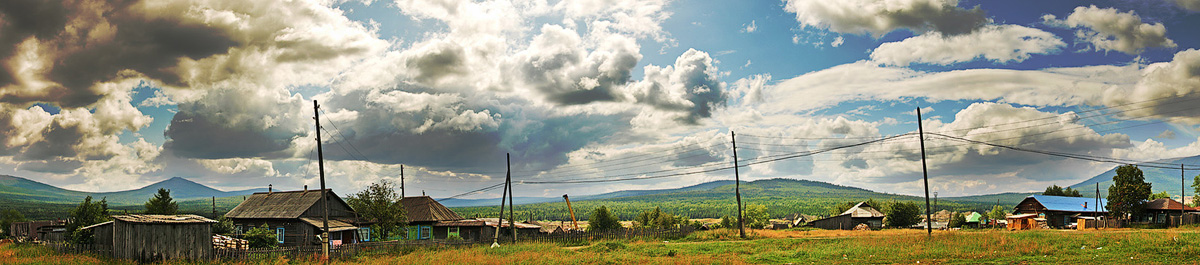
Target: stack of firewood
[225, 242]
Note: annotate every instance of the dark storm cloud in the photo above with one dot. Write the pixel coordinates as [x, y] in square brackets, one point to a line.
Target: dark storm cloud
[88, 41]
[238, 123]
[437, 61]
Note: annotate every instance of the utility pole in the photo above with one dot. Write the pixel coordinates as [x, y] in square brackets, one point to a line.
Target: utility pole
[1182, 195]
[935, 206]
[1097, 215]
[324, 196]
[214, 206]
[925, 170]
[500, 220]
[508, 178]
[401, 181]
[737, 186]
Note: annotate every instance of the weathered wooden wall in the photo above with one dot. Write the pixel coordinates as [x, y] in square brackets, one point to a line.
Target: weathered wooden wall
[151, 242]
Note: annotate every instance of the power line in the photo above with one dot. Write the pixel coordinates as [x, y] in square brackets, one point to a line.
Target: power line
[1070, 155]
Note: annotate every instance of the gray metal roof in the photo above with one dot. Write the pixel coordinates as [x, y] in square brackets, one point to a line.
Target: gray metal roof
[425, 209]
[863, 209]
[163, 219]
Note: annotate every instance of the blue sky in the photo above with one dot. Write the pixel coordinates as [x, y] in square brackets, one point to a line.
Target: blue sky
[221, 91]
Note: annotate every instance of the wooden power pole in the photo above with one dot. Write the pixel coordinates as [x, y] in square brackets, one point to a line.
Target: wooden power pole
[1182, 194]
[508, 178]
[324, 196]
[737, 186]
[500, 219]
[925, 171]
[401, 181]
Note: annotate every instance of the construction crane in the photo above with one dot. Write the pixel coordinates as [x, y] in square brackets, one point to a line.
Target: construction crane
[573, 221]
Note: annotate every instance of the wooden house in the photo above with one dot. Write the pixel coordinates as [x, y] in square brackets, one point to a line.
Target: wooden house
[861, 213]
[1022, 221]
[1164, 211]
[296, 217]
[1060, 211]
[152, 237]
[428, 219]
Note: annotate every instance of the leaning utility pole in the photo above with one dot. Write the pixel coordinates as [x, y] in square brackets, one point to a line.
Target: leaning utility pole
[324, 196]
[512, 225]
[500, 219]
[737, 186]
[925, 170]
[1097, 214]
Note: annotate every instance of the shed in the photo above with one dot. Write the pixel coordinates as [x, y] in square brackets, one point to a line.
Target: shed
[1022, 221]
[861, 213]
[153, 237]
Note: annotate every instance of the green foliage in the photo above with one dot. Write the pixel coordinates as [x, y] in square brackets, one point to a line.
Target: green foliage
[902, 214]
[380, 204]
[223, 226]
[659, 219]
[602, 219]
[87, 213]
[1055, 190]
[728, 222]
[1196, 190]
[454, 237]
[1160, 195]
[7, 217]
[260, 237]
[606, 247]
[1128, 193]
[162, 203]
[756, 216]
[957, 220]
[998, 213]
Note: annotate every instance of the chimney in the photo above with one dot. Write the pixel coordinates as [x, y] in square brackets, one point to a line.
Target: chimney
[270, 189]
[305, 188]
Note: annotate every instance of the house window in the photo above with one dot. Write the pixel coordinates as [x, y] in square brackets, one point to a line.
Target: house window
[452, 231]
[425, 231]
[279, 234]
[364, 234]
[237, 230]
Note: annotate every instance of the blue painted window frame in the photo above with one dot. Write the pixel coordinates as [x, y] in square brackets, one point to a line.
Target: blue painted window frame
[279, 234]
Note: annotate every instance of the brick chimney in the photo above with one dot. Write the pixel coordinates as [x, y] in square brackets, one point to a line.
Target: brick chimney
[270, 189]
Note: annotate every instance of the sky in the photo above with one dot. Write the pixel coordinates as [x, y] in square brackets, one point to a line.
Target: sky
[591, 96]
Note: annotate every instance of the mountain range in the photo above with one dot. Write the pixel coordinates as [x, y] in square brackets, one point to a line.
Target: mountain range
[22, 189]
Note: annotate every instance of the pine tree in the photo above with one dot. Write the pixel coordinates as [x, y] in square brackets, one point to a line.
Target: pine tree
[162, 203]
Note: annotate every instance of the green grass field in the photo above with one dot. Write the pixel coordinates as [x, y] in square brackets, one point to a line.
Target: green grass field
[1121, 246]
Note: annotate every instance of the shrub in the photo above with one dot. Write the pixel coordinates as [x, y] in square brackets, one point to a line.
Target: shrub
[260, 237]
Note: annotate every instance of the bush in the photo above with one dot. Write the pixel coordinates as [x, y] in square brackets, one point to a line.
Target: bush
[260, 237]
[454, 238]
[602, 220]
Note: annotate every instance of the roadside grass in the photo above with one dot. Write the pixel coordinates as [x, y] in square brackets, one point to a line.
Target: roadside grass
[722, 246]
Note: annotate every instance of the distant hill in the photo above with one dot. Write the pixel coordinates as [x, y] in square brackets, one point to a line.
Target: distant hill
[1160, 179]
[21, 189]
[716, 199]
[616, 194]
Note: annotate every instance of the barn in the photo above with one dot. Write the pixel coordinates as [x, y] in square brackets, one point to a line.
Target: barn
[152, 237]
[861, 213]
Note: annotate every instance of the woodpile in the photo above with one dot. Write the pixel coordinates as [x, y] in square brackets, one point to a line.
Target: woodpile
[862, 227]
[226, 242]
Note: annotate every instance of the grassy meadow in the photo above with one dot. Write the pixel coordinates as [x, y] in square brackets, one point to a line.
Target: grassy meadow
[1118, 246]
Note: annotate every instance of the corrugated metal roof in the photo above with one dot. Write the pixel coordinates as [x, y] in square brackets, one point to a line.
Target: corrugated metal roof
[334, 225]
[163, 219]
[1167, 204]
[279, 204]
[974, 217]
[1070, 204]
[863, 209]
[504, 223]
[425, 209]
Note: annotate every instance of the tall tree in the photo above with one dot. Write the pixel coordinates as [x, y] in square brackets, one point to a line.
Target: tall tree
[602, 219]
[998, 213]
[87, 213]
[7, 217]
[958, 220]
[903, 214]
[756, 216]
[381, 204]
[1196, 191]
[1129, 192]
[162, 203]
[1160, 195]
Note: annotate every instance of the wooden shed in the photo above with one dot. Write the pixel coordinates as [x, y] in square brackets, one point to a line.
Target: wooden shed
[152, 237]
[1022, 221]
[861, 213]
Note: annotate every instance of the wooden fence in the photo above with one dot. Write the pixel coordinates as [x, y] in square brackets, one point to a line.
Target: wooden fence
[592, 236]
[69, 248]
[341, 251]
